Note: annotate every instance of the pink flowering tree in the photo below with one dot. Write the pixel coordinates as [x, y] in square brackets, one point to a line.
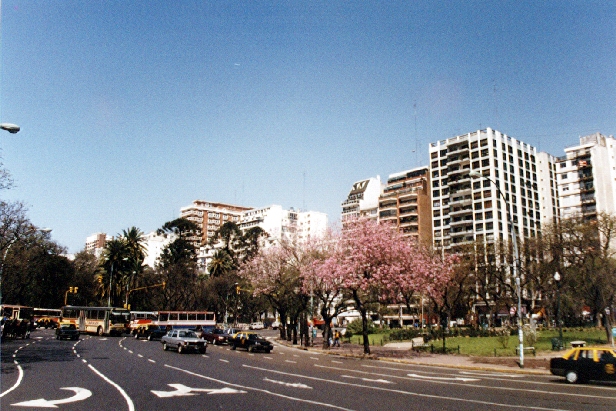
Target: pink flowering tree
[321, 280]
[374, 263]
[275, 274]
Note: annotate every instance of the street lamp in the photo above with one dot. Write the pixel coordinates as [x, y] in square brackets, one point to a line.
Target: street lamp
[13, 241]
[557, 278]
[11, 128]
[514, 267]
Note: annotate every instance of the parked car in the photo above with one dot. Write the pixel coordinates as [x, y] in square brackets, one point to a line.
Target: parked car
[250, 341]
[183, 341]
[582, 364]
[256, 326]
[275, 325]
[149, 331]
[215, 336]
[67, 331]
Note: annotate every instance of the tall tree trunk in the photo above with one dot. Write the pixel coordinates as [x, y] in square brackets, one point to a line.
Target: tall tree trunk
[364, 331]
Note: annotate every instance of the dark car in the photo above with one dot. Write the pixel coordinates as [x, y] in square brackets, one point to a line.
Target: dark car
[582, 364]
[67, 331]
[183, 341]
[250, 341]
[214, 336]
[150, 332]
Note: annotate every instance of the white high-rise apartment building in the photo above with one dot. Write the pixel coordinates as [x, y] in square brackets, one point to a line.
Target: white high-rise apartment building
[363, 199]
[154, 244]
[586, 177]
[472, 210]
[285, 224]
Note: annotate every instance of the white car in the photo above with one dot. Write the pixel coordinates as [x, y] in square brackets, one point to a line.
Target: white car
[256, 326]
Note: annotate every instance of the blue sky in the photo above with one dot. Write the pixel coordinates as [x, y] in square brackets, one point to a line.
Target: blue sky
[131, 110]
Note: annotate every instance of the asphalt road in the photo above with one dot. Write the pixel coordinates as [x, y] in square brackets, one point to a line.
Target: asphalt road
[121, 373]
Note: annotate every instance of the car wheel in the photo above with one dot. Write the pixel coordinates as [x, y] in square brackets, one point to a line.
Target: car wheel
[202, 350]
[180, 349]
[99, 331]
[572, 377]
[233, 346]
[268, 351]
[57, 337]
[150, 337]
[251, 348]
[165, 348]
[136, 336]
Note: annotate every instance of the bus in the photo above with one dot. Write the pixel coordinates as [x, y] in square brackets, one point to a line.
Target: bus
[16, 312]
[46, 317]
[138, 318]
[186, 319]
[97, 320]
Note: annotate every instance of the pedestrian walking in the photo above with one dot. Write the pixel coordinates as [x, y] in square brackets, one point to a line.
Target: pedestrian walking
[337, 338]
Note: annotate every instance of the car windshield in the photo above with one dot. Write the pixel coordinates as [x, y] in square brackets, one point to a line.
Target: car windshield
[217, 331]
[189, 334]
[254, 336]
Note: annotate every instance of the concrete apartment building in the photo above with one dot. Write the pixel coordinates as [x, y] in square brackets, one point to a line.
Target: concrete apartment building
[209, 216]
[406, 203]
[282, 224]
[586, 177]
[96, 243]
[363, 200]
[472, 210]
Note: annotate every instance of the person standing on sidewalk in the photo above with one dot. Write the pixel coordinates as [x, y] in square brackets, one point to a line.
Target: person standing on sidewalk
[337, 338]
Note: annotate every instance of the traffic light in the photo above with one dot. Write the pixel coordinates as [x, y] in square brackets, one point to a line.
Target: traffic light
[70, 290]
[75, 289]
[237, 289]
[164, 285]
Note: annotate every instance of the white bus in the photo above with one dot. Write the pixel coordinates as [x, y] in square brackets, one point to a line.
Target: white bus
[47, 317]
[186, 319]
[98, 320]
[138, 318]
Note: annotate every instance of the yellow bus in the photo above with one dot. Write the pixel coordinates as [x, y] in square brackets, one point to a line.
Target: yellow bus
[97, 320]
[47, 317]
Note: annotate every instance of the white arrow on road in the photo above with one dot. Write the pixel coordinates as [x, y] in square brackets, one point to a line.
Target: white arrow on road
[368, 379]
[183, 390]
[80, 394]
[443, 378]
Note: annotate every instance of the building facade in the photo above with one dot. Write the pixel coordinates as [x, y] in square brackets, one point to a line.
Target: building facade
[586, 177]
[209, 216]
[474, 210]
[363, 200]
[406, 203]
[95, 243]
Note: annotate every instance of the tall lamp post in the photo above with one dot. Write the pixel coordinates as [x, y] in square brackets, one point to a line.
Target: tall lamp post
[557, 278]
[514, 267]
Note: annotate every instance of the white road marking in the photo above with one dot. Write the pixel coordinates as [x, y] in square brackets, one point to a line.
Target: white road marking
[289, 384]
[220, 359]
[183, 391]
[314, 358]
[275, 394]
[20, 377]
[292, 362]
[431, 377]
[151, 360]
[380, 380]
[480, 374]
[80, 395]
[269, 358]
[337, 362]
[129, 402]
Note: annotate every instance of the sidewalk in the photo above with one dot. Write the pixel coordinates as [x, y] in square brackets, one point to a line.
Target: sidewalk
[402, 353]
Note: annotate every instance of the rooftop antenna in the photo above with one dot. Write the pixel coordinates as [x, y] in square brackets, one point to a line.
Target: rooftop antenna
[304, 193]
[416, 136]
[496, 122]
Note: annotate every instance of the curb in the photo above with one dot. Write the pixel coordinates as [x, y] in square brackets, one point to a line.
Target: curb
[531, 371]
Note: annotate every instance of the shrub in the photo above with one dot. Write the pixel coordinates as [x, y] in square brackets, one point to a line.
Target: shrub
[355, 327]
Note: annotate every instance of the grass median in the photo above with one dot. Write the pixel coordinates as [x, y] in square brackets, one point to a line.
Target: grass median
[500, 347]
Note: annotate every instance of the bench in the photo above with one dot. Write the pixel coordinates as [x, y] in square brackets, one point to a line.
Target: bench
[531, 349]
[419, 344]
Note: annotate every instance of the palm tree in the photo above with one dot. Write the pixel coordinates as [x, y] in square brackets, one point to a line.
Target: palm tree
[115, 257]
[220, 264]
